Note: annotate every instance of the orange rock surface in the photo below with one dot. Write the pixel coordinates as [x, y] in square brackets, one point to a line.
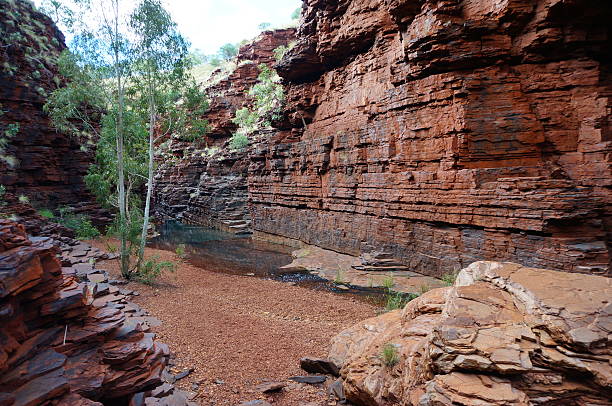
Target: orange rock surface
[503, 335]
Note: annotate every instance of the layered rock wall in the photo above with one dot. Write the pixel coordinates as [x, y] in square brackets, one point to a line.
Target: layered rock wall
[207, 184]
[50, 166]
[445, 132]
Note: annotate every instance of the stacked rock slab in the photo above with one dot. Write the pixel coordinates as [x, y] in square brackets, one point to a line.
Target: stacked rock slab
[50, 165]
[207, 184]
[502, 335]
[63, 341]
[445, 132]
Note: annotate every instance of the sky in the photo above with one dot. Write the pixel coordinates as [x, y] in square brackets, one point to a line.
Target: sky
[209, 24]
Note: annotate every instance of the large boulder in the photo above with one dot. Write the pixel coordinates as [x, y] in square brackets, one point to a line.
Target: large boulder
[504, 334]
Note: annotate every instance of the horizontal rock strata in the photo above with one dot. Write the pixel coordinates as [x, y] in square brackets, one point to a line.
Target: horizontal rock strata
[207, 185]
[503, 335]
[444, 132]
[49, 165]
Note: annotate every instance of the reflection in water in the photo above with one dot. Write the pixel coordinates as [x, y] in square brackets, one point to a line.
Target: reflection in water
[219, 251]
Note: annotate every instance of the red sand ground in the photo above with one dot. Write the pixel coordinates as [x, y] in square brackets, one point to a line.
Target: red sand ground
[243, 330]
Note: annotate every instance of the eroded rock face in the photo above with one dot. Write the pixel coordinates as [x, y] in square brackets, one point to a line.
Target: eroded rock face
[207, 185]
[64, 341]
[445, 132]
[50, 165]
[504, 334]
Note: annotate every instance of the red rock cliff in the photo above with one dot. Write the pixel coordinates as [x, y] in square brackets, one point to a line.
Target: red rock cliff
[50, 165]
[209, 186]
[445, 132]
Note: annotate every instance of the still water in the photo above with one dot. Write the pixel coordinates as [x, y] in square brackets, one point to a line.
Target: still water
[219, 251]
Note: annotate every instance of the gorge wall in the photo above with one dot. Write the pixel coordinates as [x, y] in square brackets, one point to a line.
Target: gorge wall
[50, 166]
[206, 182]
[445, 132]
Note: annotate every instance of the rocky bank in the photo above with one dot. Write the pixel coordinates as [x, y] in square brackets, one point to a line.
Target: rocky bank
[444, 132]
[504, 334]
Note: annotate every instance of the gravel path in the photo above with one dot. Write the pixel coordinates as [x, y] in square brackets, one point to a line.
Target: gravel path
[238, 331]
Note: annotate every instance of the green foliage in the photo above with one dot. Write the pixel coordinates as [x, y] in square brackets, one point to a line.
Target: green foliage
[81, 225]
[239, 141]
[340, 277]
[397, 300]
[24, 199]
[2, 193]
[388, 282]
[8, 132]
[450, 278]
[280, 52]
[152, 268]
[297, 13]
[264, 26]
[46, 213]
[389, 354]
[181, 251]
[424, 289]
[269, 97]
[228, 51]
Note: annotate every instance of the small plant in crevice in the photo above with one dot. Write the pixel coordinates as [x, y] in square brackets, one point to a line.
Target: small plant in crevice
[424, 289]
[152, 268]
[24, 199]
[449, 278]
[390, 355]
[340, 277]
[398, 300]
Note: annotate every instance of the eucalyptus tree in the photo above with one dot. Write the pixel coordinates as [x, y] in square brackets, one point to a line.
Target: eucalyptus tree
[93, 102]
[161, 56]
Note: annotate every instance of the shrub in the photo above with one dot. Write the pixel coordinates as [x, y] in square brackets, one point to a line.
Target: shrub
[390, 355]
[81, 225]
[424, 288]
[24, 199]
[398, 300]
[46, 213]
[152, 268]
[239, 141]
[388, 283]
[181, 251]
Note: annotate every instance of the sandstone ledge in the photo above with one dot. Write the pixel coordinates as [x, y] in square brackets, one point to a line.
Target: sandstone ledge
[504, 334]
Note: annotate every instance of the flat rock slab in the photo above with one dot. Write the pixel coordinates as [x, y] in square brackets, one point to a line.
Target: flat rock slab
[327, 263]
[258, 402]
[309, 379]
[270, 387]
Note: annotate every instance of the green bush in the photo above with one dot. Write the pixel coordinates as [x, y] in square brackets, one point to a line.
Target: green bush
[239, 141]
[152, 268]
[398, 300]
[181, 251]
[390, 355]
[24, 199]
[46, 213]
[81, 225]
[450, 278]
